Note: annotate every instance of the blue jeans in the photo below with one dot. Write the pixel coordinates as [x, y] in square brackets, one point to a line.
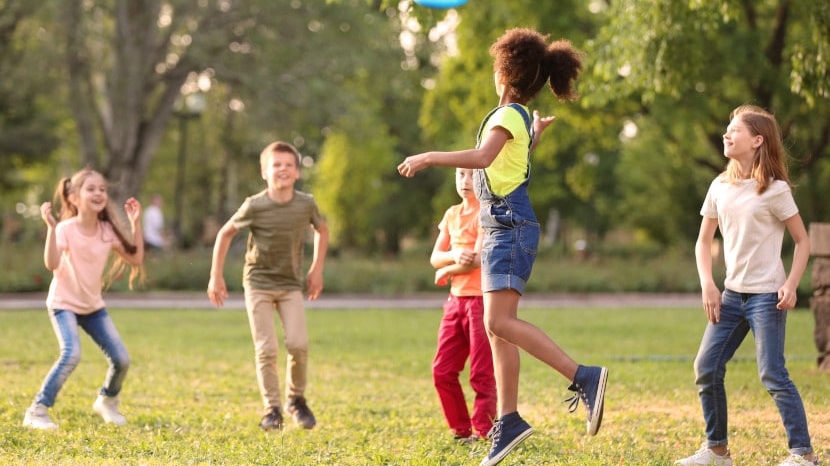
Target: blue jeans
[740, 313]
[100, 328]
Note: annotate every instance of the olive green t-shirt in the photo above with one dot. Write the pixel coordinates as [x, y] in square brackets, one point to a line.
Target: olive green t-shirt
[274, 255]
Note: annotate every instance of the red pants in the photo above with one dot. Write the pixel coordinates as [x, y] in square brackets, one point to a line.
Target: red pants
[460, 335]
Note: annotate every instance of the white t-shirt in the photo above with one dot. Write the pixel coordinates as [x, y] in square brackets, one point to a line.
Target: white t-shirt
[153, 226]
[753, 231]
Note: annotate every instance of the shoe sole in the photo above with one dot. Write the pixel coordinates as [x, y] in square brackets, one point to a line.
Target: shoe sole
[506, 451]
[596, 417]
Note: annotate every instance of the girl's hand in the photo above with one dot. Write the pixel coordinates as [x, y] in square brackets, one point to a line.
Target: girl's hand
[787, 298]
[411, 165]
[712, 302]
[133, 209]
[46, 214]
[540, 123]
[442, 278]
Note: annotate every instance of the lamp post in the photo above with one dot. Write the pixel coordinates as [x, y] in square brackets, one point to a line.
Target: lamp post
[188, 107]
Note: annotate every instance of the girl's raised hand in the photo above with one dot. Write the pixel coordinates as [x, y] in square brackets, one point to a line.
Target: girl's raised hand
[540, 123]
[133, 209]
[46, 214]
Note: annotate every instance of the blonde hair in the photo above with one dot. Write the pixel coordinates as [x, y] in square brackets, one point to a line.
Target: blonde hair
[72, 185]
[769, 163]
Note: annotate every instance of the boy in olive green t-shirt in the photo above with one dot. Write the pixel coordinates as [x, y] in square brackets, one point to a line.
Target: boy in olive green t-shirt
[277, 219]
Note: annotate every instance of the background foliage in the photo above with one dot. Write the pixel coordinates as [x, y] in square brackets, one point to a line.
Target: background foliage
[358, 85]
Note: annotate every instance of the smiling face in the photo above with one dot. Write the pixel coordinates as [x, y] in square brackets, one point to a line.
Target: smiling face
[91, 195]
[280, 170]
[739, 143]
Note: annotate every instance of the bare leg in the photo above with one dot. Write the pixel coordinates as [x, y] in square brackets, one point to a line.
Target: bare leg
[507, 334]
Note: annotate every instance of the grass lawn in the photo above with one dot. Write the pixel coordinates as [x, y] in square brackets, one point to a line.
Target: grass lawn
[191, 396]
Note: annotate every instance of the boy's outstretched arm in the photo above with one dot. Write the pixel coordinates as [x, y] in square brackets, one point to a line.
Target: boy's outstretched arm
[217, 290]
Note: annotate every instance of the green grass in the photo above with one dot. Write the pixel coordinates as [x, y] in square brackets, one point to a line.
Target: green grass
[191, 396]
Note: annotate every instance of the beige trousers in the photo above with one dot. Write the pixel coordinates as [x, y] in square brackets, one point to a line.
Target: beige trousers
[261, 305]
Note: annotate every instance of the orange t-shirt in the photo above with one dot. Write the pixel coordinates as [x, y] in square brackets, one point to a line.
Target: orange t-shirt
[463, 230]
[76, 283]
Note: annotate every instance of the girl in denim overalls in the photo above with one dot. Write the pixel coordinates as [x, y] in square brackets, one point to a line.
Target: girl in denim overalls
[752, 204]
[523, 62]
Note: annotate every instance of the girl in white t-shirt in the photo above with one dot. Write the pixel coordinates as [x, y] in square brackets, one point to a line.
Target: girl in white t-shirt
[752, 204]
[77, 251]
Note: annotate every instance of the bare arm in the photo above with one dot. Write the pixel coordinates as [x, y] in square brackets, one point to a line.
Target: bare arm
[217, 290]
[51, 256]
[314, 278]
[133, 209]
[481, 157]
[788, 294]
[703, 257]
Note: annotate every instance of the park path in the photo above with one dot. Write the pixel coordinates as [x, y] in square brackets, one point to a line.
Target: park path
[198, 300]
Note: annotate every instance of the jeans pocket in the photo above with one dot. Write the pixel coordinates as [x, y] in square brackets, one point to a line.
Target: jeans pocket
[529, 233]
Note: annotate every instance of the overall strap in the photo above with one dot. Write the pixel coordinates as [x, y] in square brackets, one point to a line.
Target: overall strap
[514, 106]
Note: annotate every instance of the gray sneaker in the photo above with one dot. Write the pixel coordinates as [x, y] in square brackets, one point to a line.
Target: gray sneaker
[37, 417]
[272, 419]
[298, 409]
[706, 457]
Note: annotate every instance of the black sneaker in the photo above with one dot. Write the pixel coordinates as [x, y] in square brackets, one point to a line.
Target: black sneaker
[589, 385]
[272, 419]
[506, 433]
[298, 409]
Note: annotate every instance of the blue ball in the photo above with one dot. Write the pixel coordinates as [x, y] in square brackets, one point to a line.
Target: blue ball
[440, 3]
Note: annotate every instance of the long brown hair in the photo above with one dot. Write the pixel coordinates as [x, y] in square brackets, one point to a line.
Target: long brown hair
[72, 185]
[769, 163]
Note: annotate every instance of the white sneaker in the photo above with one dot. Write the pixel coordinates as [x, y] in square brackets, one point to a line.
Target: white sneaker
[107, 407]
[706, 457]
[37, 417]
[798, 460]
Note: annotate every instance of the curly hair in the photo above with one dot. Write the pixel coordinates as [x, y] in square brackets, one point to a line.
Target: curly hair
[525, 61]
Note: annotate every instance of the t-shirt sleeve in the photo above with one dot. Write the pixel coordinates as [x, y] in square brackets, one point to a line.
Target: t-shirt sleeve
[444, 223]
[60, 237]
[242, 218]
[316, 217]
[781, 203]
[509, 119]
[710, 206]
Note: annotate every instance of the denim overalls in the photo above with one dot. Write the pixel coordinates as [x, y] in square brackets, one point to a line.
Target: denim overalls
[511, 231]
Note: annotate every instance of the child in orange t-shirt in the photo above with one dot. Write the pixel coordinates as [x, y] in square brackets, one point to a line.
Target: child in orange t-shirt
[457, 260]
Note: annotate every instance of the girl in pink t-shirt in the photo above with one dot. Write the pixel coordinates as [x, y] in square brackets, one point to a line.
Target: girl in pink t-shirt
[77, 250]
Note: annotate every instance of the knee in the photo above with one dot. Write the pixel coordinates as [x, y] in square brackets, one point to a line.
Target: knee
[494, 325]
[70, 357]
[121, 362]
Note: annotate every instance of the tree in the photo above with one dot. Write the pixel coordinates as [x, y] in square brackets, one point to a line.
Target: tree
[127, 61]
[686, 65]
[26, 117]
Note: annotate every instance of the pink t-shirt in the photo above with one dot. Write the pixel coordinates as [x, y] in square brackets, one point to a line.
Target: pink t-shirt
[77, 282]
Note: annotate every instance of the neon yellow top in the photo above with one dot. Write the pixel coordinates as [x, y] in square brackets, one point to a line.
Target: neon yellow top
[510, 167]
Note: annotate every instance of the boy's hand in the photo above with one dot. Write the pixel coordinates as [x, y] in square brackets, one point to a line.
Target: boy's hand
[314, 285]
[464, 257]
[217, 291]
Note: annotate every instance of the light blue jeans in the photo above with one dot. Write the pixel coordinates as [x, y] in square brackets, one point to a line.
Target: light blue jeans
[100, 328]
[741, 313]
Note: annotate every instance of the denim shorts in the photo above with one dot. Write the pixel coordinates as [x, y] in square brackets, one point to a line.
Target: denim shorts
[511, 239]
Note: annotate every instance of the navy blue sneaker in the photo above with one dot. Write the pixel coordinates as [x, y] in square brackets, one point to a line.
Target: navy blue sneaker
[589, 385]
[506, 433]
